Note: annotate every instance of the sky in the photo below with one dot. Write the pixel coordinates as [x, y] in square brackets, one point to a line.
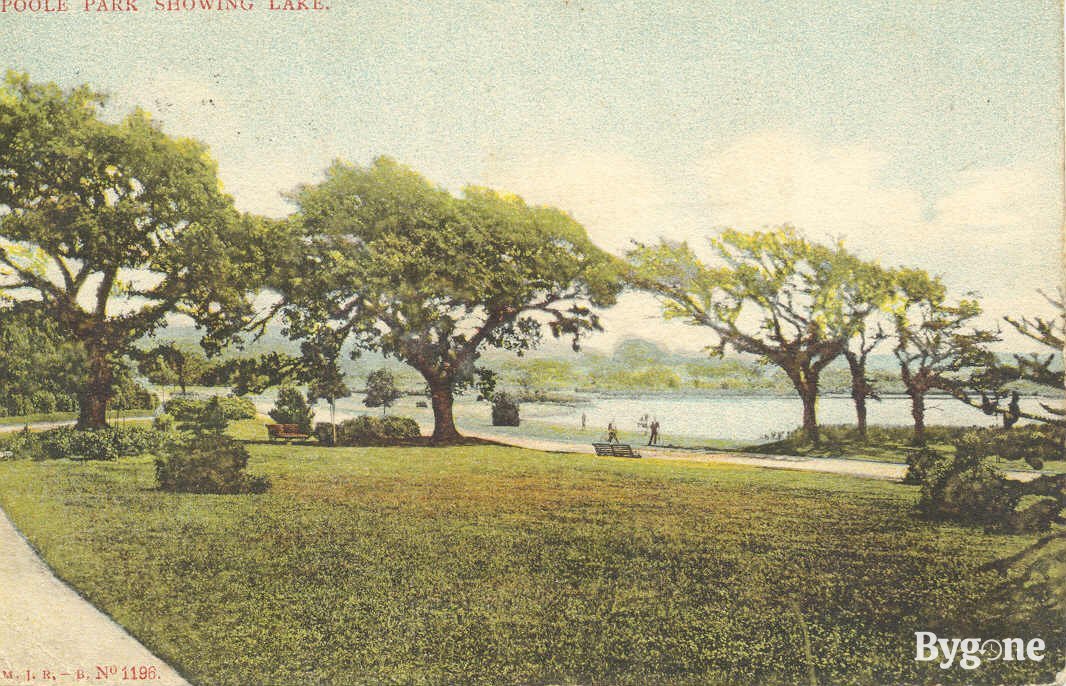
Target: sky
[921, 133]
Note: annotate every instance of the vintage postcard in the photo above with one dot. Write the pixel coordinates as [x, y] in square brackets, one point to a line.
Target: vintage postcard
[494, 342]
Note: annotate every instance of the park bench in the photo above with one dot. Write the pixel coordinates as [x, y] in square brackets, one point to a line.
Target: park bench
[285, 431]
[615, 450]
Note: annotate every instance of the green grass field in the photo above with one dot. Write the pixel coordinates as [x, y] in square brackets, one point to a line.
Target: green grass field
[493, 565]
[43, 417]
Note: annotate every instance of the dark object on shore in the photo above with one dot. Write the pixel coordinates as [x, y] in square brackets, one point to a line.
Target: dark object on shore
[504, 410]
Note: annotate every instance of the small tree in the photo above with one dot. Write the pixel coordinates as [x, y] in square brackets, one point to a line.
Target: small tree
[936, 344]
[171, 364]
[319, 367]
[381, 390]
[504, 410]
[212, 418]
[291, 408]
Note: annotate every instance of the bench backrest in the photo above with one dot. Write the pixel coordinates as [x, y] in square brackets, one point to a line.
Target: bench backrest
[614, 449]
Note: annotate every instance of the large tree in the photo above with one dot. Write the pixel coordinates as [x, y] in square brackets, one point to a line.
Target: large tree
[773, 294]
[113, 226]
[396, 264]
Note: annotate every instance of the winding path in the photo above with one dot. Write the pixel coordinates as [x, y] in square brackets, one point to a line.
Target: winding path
[51, 635]
[869, 469]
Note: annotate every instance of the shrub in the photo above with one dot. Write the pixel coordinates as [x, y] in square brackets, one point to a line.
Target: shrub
[208, 463]
[976, 495]
[291, 408]
[369, 430]
[400, 428]
[186, 409]
[43, 401]
[99, 444]
[504, 410]
[964, 488]
[164, 423]
[919, 464]
[134, 398]
[324, 433]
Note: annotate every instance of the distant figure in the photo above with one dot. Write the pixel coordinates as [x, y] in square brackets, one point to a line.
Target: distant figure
[583, 420]
[642, 423]
[654, 432]
[612, 432]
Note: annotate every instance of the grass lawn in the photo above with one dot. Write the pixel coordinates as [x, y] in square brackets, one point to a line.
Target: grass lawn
[493, 565]
[42, 417]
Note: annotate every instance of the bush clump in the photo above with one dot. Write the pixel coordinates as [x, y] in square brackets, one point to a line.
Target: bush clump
[207, 463]
[99, 444]
[504, 410]
[368, 430]
[964, 488]
[186, 409]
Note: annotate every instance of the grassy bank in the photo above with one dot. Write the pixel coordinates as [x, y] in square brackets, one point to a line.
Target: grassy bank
[492, 565]
[883, 444]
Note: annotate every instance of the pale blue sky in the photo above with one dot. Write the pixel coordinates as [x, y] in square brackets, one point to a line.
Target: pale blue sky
[922, 132]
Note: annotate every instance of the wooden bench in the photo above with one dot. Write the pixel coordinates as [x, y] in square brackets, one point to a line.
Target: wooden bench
[615, 450]
[285, 431]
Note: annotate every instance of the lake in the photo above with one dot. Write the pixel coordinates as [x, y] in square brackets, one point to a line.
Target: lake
[734, 418]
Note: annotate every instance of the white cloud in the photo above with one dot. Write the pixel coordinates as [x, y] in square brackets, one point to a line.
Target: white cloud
[616, 197]
[996, 230]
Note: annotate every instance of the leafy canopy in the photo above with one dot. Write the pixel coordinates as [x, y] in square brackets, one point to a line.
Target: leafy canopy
[114, 225]
[404, 267]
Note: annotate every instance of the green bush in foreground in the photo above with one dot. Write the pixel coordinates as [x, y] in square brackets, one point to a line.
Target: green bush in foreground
[963, 488]
[99, 444]
[208, 463]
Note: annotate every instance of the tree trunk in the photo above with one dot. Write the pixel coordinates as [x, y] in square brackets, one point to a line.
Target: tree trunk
[92, 401]
[918, 413]
[441, 398]
[809, 395]
[859, 391]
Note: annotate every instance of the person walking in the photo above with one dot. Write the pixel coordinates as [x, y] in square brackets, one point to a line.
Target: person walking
[583, 420]
[612, 432]
[654, 439]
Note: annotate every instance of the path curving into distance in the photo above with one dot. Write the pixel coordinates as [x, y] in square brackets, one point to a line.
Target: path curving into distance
[51, 635]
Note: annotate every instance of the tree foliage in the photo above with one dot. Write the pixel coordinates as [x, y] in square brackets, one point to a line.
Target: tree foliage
[773, 294]
[381, 390]
[937, 344]
[113, 226]
[392, 263]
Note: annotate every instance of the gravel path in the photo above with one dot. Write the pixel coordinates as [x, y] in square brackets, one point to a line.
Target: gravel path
[870, 469]
[51, 635]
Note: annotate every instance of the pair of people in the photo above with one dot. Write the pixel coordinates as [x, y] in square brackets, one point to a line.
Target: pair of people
[612, 432]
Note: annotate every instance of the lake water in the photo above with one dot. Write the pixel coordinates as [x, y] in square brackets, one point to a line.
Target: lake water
[734, 418]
